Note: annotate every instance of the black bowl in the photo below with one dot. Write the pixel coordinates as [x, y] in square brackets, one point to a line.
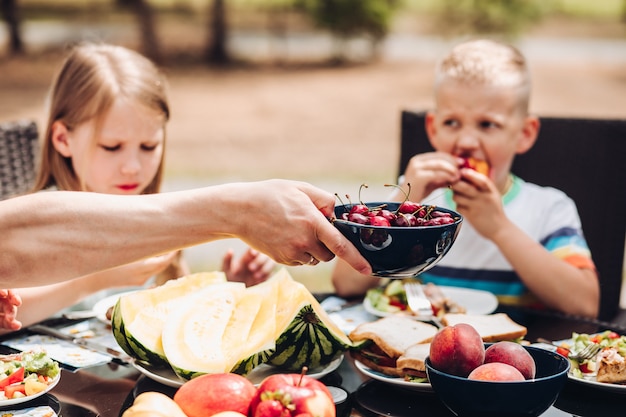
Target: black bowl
[467, 398]
[399, 252]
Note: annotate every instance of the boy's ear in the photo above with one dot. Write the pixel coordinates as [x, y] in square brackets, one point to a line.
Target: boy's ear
[59, 138]
[528, 135]
[431, 128]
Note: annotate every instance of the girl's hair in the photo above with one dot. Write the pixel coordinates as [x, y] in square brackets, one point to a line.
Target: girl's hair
[489, 63]
[92, 77]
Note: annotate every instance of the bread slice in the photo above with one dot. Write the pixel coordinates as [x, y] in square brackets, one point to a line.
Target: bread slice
[491, 327]
[413, 361]
[394, 334]
[389, 337]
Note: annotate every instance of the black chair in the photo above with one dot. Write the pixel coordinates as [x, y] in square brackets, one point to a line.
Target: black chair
[18, 152]
[586, 159]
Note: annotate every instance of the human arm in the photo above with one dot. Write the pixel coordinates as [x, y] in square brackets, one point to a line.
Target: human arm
[251, 268]
[548, 277]
[39, 303]
[54, 236]
[349, 283]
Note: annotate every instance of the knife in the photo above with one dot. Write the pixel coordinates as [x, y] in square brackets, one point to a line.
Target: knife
[85, 343]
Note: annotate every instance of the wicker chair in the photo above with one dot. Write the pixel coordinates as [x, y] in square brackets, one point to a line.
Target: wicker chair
[18, 152]
[585, 159]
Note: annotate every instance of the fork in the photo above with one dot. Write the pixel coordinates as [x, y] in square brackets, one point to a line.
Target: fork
[416, 299]
[588, 352]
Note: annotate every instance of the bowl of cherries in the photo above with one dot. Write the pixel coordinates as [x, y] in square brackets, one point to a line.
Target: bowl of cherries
[399, 239]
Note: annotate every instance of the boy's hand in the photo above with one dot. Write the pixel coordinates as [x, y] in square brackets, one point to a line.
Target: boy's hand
[479, 202]
[429, 171]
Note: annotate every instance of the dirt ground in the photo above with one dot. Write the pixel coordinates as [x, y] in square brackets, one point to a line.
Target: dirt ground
[334, 126]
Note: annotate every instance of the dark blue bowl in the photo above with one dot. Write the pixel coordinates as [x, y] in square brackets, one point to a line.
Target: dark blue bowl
[467, 398]
[399, 252]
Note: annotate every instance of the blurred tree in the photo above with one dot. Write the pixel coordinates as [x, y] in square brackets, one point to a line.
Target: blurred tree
[349, 18]
[505, 17]
[11, 17]
[145, 17]
[217, 51]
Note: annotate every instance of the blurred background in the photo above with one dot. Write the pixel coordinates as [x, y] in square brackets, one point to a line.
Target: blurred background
[310, 89]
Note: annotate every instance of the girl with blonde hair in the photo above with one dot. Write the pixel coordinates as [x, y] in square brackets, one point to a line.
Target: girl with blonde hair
[106, 133]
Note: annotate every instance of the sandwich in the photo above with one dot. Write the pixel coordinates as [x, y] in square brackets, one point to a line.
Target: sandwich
[491, 327]
[380, 343]
[412, 363]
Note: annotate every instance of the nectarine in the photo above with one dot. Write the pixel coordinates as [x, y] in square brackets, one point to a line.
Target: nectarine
[512, 354]
[496, 371]
[457, 349]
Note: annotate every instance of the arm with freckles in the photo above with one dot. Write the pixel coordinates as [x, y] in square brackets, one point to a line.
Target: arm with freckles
[548, 277]
[55, 236]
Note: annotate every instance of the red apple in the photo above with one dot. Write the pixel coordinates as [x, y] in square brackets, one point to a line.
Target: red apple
[290, 395]
[211, 394]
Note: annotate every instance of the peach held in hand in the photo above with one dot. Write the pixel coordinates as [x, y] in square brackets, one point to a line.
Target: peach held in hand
[512, 354]
[496, 371]
[457, 350]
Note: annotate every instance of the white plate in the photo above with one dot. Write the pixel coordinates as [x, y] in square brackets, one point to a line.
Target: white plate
[590, 380]
[474, 301]
[101, 307]
[14, 401]
[399, 382]
[166, 376]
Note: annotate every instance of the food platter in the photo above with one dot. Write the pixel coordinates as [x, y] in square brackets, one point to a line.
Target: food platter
[21, 400]
[166, 376]
[474, 301]
[398, 382]
[587, 380]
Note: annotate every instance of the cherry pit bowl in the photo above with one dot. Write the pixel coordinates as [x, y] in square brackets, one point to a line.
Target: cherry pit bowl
[529, 398]
[399, 252]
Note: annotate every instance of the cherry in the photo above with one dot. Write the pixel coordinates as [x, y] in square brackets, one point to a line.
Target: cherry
[358, 218]
[409, 207]
[405, 220]
[379, 221]
[436, 213]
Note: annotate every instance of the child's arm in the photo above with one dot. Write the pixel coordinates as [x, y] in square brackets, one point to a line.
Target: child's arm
[39, 303]
[349, 283]
[556, 283]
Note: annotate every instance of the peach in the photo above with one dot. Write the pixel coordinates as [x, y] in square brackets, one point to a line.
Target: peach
[457, 349]
[496, 371]
[512, 354]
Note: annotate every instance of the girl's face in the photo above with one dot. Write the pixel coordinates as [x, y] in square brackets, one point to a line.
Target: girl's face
[123, 157]
[481, 122]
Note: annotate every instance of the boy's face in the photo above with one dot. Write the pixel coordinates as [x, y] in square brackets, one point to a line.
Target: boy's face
[486, 123]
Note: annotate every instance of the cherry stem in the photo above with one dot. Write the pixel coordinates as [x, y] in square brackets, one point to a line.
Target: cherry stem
[304, 371]
[406, 195]
[360, 188]
[340, 200]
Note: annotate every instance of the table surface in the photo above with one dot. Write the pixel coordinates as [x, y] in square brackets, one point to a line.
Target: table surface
[107, 390]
